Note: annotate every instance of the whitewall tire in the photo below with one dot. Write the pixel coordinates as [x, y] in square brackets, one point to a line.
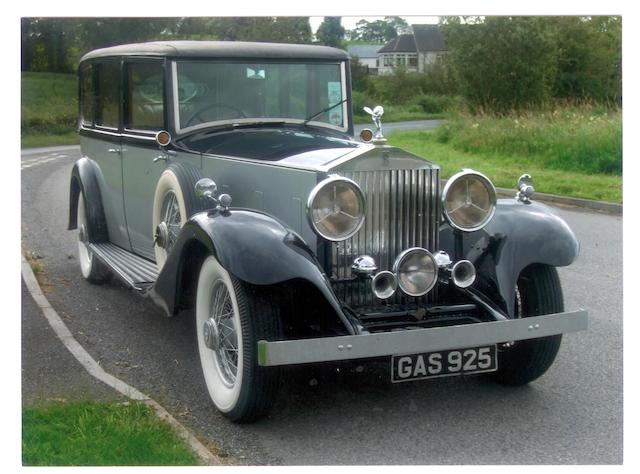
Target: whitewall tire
[92, 269]
[231, 318]
[169, 207]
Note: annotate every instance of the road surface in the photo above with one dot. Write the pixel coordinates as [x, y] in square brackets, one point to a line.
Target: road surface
[337, 414]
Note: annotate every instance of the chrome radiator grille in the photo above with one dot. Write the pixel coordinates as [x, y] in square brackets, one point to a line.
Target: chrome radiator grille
[402, 212]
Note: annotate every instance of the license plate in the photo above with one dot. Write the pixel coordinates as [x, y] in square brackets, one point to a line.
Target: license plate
[428, 365]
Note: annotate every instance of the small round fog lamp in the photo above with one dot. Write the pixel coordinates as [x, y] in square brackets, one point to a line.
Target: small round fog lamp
[416, 270]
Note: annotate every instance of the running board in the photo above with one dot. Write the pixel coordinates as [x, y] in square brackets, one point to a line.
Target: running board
[135, 271]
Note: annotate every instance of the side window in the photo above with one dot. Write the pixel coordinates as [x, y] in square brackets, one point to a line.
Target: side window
[87, 95]
[108, 104]
[145, 96]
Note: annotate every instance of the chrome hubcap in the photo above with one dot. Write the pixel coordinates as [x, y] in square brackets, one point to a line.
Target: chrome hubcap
[82, 233]
[162, 235]
[171, 222]
[211, 335]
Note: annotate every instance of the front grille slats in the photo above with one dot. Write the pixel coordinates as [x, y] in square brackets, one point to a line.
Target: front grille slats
[402, 212]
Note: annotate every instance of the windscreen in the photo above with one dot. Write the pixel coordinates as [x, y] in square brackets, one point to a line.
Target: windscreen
[221, 91]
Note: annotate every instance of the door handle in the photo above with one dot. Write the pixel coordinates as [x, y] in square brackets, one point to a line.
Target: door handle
[114, 150]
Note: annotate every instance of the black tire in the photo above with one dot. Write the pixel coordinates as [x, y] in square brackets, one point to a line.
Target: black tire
[539, 293]
[177, 180]
[92, 269]
[255, 388]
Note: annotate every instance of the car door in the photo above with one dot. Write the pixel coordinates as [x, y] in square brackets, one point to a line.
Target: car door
[101, 141]
[145, 114]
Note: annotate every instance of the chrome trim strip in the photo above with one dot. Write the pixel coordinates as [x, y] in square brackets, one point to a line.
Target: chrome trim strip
[100, 131]
[118, 134]
[304, 351]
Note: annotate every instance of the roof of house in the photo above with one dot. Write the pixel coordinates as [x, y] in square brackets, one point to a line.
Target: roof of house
[428, 38]
[425, 38]
[364, 50]
[400, 44]
[219, 49]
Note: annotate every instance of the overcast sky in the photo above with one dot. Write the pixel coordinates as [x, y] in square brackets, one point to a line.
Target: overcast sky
[349, 22]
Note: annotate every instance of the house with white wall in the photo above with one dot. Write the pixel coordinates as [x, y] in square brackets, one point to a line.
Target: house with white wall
[415, 51]
[367, 55]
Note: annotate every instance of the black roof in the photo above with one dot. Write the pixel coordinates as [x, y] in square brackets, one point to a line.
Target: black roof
[220, 49]
[428, 37]
[400, 44]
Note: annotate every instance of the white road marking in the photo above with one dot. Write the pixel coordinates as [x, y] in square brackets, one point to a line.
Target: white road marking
[98, 372]
[25, 164]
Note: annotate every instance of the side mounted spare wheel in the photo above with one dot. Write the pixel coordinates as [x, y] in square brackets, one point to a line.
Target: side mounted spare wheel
[93, 270]
[231, 317]
[174, 202]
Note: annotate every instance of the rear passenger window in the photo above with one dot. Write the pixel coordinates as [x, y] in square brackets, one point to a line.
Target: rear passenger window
[87, 95]
[108, 95]
[145, 96]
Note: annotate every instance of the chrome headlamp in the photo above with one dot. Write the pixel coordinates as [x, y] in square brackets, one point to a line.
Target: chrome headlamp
[336, 208]
[468, 200]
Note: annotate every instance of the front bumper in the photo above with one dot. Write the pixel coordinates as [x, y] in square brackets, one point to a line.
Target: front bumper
[325, 349]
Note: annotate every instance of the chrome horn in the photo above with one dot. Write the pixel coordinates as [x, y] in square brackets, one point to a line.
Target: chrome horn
[462, 273]
[384, 284]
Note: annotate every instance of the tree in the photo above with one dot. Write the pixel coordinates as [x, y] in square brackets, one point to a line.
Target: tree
[508, 62]
[271, 29]
[380, 31]
[45, 43]
[502, 62]
[400, 26]
[331, 32]
[56, 44]
[589, 58]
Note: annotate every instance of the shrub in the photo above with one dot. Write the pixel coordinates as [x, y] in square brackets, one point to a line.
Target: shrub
[433, 104]
[361, 100]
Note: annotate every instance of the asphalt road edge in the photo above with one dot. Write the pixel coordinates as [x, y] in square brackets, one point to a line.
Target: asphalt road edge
[587, 204]
[94, 369]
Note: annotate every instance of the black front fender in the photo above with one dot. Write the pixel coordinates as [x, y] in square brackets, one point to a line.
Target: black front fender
[252, 246]
[84, 180]
[518, 235]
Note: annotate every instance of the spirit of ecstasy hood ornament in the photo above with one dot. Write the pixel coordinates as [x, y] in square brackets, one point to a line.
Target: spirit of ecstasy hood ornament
[376, 115]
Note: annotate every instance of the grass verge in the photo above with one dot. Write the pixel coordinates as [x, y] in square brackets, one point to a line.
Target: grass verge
[571, 150]
[87, 433]
[49, 108]
[399, 114]
[504, 169]
[34, 140]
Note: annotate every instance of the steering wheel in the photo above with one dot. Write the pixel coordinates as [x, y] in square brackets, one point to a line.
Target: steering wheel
[200, 111]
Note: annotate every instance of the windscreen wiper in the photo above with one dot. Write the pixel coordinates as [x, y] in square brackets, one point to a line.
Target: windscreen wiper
[326, 109]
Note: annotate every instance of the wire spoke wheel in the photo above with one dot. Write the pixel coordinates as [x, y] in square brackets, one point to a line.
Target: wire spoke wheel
[231, 317]
[226, 350]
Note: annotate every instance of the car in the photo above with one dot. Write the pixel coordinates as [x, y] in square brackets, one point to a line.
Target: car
[223, 180]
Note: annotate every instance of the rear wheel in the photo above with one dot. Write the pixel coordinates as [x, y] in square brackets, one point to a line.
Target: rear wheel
[538, 292]
[174, 203]
[231, 318]
[93, 270]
